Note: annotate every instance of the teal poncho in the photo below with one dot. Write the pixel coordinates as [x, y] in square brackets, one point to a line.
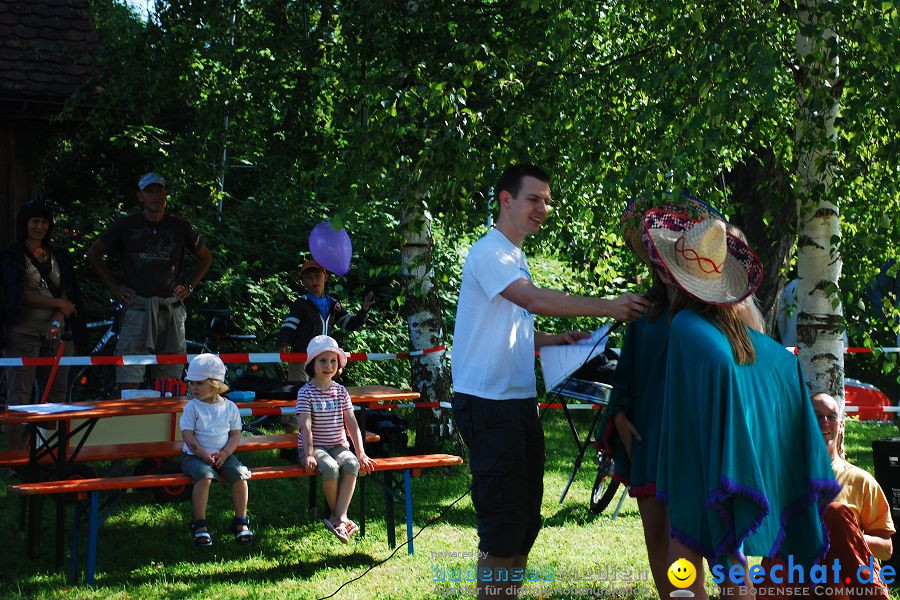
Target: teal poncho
[638, 388]
[741, 459]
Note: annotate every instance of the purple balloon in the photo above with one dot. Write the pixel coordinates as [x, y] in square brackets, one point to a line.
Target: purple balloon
[331, 248]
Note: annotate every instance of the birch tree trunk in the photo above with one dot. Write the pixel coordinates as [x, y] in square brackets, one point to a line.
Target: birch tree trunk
[820, 314]
[429, 373]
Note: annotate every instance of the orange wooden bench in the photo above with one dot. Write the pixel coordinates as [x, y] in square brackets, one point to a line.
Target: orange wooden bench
[409, 465]
[278, 441]
[153, 454]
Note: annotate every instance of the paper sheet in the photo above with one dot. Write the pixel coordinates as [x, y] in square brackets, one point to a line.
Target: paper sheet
[47, 408]
[558, 362]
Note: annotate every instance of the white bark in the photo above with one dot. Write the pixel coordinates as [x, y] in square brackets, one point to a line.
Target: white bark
[428, 372]
[819, 319]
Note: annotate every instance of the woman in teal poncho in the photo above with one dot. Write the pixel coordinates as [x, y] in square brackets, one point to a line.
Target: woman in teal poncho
[630, 429]
[741, 466]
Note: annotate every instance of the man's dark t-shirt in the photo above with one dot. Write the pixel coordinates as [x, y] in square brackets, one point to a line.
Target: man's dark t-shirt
[151, 254]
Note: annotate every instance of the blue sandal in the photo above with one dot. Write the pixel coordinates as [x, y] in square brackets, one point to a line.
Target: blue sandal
[201, 538]
[242, 536]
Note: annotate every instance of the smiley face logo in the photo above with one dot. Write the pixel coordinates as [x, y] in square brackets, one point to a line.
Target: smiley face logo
[682, 573]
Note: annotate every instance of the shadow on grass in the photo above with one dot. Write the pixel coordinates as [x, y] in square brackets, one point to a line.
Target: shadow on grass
[304, 569]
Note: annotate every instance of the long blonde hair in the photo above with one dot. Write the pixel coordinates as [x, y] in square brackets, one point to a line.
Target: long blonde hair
[727, 319]
[748, 308]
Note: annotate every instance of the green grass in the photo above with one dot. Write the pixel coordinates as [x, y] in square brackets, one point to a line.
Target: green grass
[145, 549]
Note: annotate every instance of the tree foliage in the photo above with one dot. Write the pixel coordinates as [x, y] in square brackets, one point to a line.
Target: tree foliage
[357, 111]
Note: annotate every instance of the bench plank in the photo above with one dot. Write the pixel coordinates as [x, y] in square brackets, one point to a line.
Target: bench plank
[393, 463]
[19, 458]
[407, 464]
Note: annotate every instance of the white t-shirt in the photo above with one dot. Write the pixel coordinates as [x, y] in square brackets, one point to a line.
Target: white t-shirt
[210, 422]
[493, 341]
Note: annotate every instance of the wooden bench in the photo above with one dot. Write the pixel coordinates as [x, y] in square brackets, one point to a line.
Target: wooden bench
[409, 465]
[148, 451]
[278, 441]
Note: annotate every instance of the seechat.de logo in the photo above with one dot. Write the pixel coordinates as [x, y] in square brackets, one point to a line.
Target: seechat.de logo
[682, 574]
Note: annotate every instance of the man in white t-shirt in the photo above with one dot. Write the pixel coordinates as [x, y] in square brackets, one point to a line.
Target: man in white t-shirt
[494, 381]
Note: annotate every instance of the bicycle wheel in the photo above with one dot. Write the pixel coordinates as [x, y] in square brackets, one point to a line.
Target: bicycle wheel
[605, 487]
[171, 493]
[93, 383]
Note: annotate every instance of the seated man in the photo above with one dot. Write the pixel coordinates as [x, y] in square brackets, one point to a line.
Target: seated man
[858, 520]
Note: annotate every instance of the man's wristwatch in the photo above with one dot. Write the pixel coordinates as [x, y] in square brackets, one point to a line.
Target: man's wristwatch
[189, 288]
[56, 323]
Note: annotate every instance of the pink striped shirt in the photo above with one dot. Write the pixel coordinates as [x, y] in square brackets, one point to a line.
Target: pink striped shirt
[327, 412]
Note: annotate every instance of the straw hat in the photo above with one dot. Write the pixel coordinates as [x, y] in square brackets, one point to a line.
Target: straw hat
[701, 257]
[632, 217]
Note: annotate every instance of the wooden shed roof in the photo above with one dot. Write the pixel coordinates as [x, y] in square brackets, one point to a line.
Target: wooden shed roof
[46, 48]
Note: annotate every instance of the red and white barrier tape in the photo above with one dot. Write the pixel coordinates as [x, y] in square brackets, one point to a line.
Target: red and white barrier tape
[176, 359]
[856, 350]
[274, 411]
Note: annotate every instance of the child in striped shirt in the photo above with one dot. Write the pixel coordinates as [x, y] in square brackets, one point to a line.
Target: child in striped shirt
[325, 415]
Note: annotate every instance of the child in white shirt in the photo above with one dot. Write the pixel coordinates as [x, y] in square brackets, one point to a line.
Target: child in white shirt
[211, 429]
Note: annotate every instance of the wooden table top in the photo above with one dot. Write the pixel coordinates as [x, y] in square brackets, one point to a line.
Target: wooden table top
[369, 394]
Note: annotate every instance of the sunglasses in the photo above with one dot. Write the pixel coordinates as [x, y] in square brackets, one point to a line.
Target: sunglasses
[828, 418]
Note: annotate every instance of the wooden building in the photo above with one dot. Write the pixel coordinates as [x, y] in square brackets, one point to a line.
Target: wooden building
[47, 49]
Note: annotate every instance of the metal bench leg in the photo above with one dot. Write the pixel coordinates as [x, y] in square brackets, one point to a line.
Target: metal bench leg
[407, 488]
[73, 559]
[93, 527]
[60, 531]
[34, 505]
[362, 503]
[389, 509]
[311, 507]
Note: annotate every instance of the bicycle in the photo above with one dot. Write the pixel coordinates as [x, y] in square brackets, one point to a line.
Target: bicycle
[605, 487]
[98, 382]
[219, 331]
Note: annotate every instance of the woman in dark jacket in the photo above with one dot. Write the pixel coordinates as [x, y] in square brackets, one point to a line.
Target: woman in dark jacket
[40, 303]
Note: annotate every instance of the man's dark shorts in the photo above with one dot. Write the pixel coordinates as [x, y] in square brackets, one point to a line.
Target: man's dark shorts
[506, 456]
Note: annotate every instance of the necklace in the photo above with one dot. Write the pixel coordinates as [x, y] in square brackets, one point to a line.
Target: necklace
[40, 253]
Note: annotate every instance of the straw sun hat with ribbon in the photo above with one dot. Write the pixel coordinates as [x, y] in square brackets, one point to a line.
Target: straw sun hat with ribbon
[701, 257]
[632, 220]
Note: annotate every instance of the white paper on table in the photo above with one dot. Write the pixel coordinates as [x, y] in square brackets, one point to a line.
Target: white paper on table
[47, 408]
[558, 362]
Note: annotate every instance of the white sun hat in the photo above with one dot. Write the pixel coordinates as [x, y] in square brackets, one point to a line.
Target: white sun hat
[206, 366]
[324, 343]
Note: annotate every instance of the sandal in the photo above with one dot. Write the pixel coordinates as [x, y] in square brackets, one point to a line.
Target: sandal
[242, 536]
[338, 530]
[351, 527]
[201, 538]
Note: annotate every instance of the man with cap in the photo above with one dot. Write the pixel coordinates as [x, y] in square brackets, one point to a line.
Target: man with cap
[314, 313]
[148, 247]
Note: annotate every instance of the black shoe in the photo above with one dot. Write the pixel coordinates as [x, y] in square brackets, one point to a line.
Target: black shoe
[291, 455]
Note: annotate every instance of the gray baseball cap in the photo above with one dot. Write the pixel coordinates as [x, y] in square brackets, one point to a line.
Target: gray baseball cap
[148, 179]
